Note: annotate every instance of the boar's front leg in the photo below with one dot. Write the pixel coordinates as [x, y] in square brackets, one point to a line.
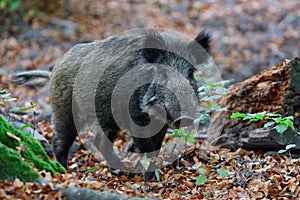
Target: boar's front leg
[104, 143]
[151, 147]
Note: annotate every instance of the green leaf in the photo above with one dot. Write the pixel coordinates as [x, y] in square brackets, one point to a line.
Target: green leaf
[191, 139]
[216, 85]
[182, 131]
[93, 169]
[202, 117]
[295, 160]
[25, 126]
[288, 123]
[289, 146]
[237, 115]
[213, 159]
[202, 93]
[5, 94]
[10, 99]
[290, 118]
[224, 82]
[202, 171]
[14, 5]
[211, 98]
[222, 91]
[157, 173]
[145, 161]
[201, 179]
[293, 127]
[259, 116]
[253, 120]
[29, 107]
[170, 135]
[192, 132]
[248, 116]
[281, 128]
[204, 88]
[222, 172]
[273, 115]
[2, 4]
[268, 124]
[16, 108]
[182, 139]
[281, 151]
[278, 119]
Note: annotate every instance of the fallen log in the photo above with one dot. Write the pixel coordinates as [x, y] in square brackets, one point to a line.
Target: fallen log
[275, 90]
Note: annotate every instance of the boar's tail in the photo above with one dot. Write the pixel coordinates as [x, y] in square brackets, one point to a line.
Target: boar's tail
[31, 79]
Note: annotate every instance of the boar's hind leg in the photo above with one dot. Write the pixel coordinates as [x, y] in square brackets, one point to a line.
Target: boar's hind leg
[65, 135]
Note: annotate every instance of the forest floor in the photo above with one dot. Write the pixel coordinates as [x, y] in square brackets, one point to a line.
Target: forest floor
[247, 37]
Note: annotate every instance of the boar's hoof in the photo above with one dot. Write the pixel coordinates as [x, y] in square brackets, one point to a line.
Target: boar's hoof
[148, 176]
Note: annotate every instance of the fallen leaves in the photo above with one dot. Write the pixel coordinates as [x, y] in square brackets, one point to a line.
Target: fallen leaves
[249, 176]
[20, 190]
[247, 36]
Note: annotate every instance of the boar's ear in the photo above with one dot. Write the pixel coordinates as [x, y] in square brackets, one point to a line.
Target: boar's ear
[153, 48]
[203, 39]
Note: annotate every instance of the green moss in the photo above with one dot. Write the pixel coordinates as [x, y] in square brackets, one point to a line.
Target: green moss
[33, 151]
[12, 166]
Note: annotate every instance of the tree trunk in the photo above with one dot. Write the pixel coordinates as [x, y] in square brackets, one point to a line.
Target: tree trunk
[275, 90]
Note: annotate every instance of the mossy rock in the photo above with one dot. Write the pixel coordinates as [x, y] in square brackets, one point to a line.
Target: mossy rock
[31, 149]
[12, 166]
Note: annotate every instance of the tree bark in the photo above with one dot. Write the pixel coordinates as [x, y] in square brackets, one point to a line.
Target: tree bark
[275, 90]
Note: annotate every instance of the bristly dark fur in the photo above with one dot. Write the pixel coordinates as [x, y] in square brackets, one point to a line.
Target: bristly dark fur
[145, 54]
[204, 40]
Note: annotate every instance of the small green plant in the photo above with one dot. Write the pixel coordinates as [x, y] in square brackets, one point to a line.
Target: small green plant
[209, 94]
[281, 124]
[183, 135]
[158, 172]
[202, 177]
[26, 9]
[93, 169]
[222, 172]
[287, 149]
[25, 126]
[32, 106]
[12, 5]
[145, 162]
[5, 97]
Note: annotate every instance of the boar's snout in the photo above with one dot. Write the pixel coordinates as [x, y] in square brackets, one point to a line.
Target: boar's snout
[183, 121]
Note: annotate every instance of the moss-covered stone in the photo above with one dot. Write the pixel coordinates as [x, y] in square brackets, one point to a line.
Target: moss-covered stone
[12, 166]
[32, 150]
